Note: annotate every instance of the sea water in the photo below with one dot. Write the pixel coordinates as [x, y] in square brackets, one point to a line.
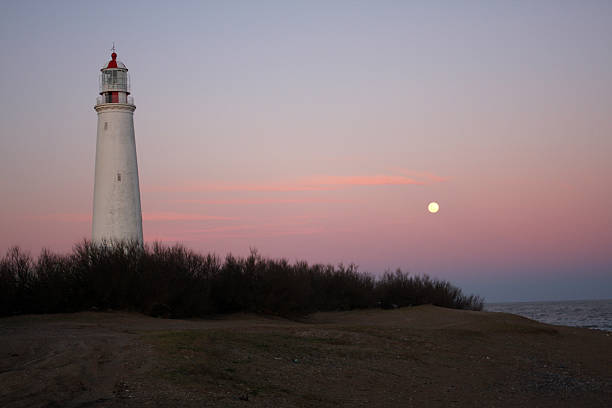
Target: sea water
[593, 314]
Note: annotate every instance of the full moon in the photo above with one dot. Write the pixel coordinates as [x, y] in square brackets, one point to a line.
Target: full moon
[433, 207]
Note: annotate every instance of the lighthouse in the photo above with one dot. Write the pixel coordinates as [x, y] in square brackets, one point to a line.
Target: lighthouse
[116, 211]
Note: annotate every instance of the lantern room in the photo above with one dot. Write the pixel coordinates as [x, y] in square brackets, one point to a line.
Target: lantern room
[114, 83]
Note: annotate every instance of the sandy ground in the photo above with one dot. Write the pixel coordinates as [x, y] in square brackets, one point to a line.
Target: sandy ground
[422, 357]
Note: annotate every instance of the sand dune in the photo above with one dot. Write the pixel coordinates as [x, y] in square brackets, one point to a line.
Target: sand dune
[422, 357]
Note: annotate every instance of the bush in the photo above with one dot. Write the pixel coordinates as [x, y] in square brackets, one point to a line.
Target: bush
[177, 282]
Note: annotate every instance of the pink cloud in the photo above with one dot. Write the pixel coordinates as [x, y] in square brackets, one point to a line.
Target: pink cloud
[248, 231]
[378, 180]
[62, 217]
[315, 183]
[195, 187]
[155, 237]
[262, 201]
[147, 216]
[174, 216]
[283, 226]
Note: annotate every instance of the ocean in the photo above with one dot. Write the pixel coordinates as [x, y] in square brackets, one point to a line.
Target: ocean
[592, 314]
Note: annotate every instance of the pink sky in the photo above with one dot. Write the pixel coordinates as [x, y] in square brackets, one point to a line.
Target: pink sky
[323, 133]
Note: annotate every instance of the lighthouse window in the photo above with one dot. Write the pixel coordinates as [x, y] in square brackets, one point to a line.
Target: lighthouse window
[107, 78]
[118, 176]
[110, 77]
[114, 79]
[105, 125]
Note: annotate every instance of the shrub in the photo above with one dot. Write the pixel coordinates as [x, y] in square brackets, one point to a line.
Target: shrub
[177, 282]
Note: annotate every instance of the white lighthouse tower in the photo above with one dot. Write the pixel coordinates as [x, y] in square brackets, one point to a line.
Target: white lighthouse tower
[116, 213]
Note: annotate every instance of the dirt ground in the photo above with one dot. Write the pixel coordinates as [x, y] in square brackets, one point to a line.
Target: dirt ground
[412, 357]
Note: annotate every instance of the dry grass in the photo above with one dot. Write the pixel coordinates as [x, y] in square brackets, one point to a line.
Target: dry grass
[419, 356]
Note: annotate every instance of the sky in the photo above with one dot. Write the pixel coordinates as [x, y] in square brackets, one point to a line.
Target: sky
[321, 130]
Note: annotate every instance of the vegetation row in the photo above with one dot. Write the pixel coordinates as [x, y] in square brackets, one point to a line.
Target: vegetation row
[178, 282]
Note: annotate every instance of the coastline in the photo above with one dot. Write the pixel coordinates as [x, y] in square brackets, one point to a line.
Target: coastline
[591, 314]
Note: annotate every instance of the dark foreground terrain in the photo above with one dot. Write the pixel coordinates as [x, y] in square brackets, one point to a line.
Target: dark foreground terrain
[422, 356]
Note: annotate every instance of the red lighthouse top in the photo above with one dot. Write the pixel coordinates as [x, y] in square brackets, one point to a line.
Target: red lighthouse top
[113, 63]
